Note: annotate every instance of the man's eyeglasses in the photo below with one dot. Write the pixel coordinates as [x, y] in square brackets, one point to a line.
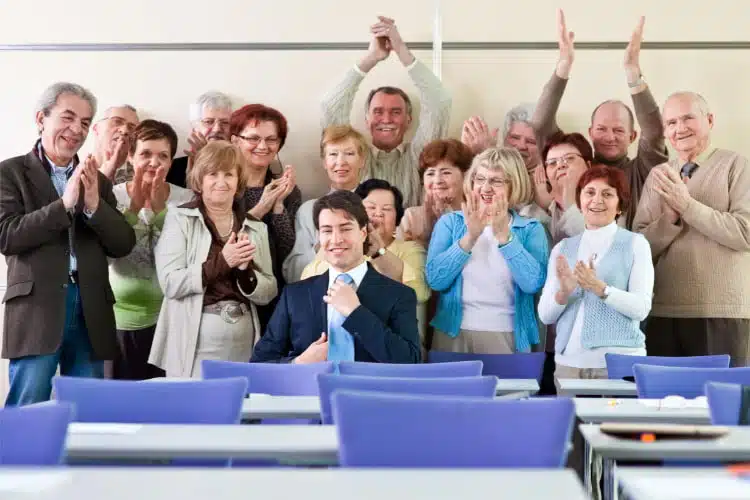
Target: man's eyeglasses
[210, 122]
[563, 160]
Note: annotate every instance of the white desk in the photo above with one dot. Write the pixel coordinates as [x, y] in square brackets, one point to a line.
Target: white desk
[598, 410]
[573, 387]
[333, 484]
[734, 447]
[521, 387]
[302, 443]
[642, 483]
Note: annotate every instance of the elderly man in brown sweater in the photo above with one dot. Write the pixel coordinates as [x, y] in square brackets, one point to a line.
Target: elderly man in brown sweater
[695, 213]
[612, 128]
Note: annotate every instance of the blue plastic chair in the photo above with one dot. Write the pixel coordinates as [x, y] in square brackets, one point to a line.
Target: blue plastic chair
[621, 365]
[396, 430]
[428, 370]
[508, 366]
[217, 402]
[276, 379]
[441, 386]
[660, 381]
[724, 401]
[35, 434]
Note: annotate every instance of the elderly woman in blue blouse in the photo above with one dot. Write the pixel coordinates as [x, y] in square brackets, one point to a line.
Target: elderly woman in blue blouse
[487, 262]
[599, 283]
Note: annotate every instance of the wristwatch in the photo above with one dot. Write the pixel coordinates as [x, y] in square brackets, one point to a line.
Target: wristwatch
[640, 81]
[381, 251]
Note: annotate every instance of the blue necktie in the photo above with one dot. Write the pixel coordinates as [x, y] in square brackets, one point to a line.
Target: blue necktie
[688, 170]
[340, 342]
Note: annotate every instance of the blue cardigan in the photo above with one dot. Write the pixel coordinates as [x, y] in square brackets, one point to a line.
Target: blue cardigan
[526, 255]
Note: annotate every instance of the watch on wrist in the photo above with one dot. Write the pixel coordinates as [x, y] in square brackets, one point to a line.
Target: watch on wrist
[640, 81]
[380, 252]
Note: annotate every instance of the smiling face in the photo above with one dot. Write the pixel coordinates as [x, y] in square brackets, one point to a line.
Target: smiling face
[150, 156]
[214, 123]
[599, 204]
[611, 132]
[563, 160]
[219, 188]
[259, 142]
[388, 120]
[521, 136]
[65, 128]
[117, 122]
[444, 180]
[489, 184]
[381, 210]
[341, 239]
[343, 163]
[687, 125]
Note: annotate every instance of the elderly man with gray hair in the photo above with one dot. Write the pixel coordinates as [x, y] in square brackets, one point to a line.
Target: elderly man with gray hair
[209, 119]
[112, 134]
[58, 225]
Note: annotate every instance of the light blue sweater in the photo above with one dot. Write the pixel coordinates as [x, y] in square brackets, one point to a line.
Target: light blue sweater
[526, 255]
[602, 325]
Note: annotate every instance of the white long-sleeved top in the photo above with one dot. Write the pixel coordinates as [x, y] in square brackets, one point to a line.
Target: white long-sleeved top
[635, 302]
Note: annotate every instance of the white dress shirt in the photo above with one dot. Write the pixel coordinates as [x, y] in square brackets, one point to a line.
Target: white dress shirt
[357, 274]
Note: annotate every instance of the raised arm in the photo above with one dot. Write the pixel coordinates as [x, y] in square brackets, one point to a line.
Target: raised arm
[545, 113]
[651, 148]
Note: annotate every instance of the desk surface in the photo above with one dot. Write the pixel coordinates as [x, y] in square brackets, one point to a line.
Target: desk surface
[643, 483]
[333, 484]
[595, 387]
[305, 443]
[735, 446]
[598, 410]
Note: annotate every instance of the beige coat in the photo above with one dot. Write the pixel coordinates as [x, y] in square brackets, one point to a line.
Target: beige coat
[180, 253]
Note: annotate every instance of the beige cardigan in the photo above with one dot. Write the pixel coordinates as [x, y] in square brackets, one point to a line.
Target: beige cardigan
[702, 264]
[180, 253]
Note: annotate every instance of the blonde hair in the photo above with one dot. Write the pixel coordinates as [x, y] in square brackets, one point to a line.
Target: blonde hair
[510, 162]
[336, 134]
[218, 156]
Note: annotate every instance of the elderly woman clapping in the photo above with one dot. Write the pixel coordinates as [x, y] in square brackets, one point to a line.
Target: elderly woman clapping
[214, 266]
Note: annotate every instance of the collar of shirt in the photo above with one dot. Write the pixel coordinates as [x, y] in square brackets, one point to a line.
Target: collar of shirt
[379, 152]
[65, 169]
[357, 274]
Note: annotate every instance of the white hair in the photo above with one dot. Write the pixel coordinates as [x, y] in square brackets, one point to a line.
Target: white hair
[51, 94]
[116, 106]
[210, 100]
[522, 113]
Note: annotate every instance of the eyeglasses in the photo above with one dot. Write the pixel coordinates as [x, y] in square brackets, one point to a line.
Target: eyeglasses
[254, 140]
[495, 182]
[563, 160]
[210, 122]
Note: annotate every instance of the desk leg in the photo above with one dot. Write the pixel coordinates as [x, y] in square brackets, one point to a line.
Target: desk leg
[587, 466]
[609, 471]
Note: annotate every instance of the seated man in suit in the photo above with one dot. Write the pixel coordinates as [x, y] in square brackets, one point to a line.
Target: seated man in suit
[324, 318]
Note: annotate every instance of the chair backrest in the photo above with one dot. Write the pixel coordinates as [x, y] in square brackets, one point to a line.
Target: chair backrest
[661, 381]
[457, 369]
[133, 401]
[518, 365]
[724, 401]
[276, 379]
[621, 365]
[459, 386]
[34, 435]
[397, 430]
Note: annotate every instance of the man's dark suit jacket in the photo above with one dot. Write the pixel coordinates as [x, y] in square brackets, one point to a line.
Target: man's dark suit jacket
[34, 239]
[384, 326]
[177, 174]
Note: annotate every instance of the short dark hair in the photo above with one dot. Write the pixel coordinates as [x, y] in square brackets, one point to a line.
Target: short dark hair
[452, 151]
[388, 90]
[343, 200]
[613, 176]
[252, 113]
[370, 185]
[153, 130]
[575, 139]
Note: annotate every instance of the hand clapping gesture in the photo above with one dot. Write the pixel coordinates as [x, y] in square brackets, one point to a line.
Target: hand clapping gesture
[90, 179]
[477, 135]
[500, 218]
[475, 215]
[566, 278]
[238, 251]
[586, 277]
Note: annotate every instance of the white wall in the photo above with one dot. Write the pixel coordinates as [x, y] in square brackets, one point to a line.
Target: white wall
[162, 84]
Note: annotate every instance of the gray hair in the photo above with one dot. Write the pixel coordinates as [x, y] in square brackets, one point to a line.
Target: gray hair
[522, 113]
[211, 100]
[697, 99]
[51, 94]
[116, 106]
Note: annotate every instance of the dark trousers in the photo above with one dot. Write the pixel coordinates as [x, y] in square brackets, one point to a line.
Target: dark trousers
[31, 376]
[131, 361]
[699, 337]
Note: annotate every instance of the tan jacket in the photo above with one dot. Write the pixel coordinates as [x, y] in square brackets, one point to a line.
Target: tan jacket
[180, 253]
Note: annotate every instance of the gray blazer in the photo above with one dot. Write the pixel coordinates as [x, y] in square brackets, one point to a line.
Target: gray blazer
[34, 239]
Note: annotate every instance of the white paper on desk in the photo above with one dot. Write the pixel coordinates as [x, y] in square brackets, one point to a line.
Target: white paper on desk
[30, 482]
[676, 402]
[698, 488]
[104, 428]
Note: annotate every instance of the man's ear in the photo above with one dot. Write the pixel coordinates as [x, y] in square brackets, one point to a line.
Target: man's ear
[39, 121]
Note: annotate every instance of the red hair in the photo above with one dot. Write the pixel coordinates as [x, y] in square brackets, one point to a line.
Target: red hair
[575, 139]
[613, 176]
[253, 113]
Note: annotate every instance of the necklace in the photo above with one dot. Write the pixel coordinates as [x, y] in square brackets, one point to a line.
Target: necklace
[231, 228]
